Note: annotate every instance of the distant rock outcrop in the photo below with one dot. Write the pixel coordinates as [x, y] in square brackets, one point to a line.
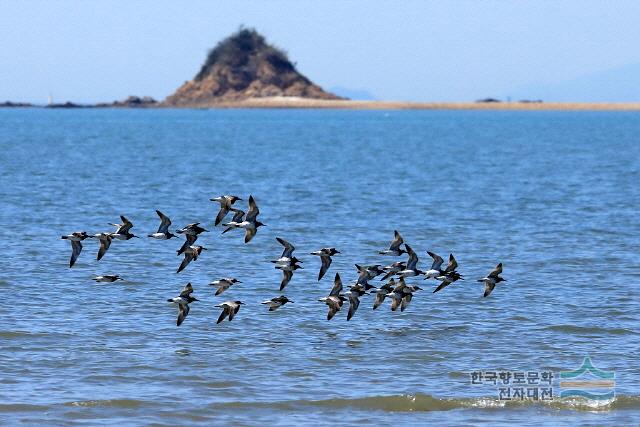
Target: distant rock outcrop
[245, 66]
[67, 104]
[9, 104]
[131, 102]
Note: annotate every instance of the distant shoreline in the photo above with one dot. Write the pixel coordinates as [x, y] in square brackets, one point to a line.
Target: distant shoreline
[281, 102]
[307, 103]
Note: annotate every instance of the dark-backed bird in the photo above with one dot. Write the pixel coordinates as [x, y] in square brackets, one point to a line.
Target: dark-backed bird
[368, 272]
[250, 223]
[287, 271]
[354, 294]
[190, 239]
[191, 233]
[277, 302]
[382, 293]
[183, 300]
[238, 217]
[412, 264]
[335, 299]
[192, 229]
[76, 239]
[224, 284]
[110, 278]
[449, 274]
[402, 295]
[229, 309]
[492, 280]
[436, 266]
[122, 230]
[190, 254]
[394, 248]
[163, 232]
[325, 255]
[105, 241]
[287, 253]
[393, 269]
[407, 295]
[225, 205]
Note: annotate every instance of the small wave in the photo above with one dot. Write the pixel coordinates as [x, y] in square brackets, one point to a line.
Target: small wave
[22, 407]
[426, 403]
[574, 329]
[20, 334]
[110, 403]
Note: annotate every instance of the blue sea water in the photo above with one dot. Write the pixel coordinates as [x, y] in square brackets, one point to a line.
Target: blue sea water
[555, 196]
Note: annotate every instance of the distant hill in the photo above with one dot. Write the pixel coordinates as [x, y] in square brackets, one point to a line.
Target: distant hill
[245, 66]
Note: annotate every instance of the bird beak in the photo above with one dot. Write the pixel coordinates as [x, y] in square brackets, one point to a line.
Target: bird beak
[196, 299]
[291, 301]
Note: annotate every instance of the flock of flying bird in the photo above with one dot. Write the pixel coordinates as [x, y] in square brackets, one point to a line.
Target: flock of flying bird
[396, 289]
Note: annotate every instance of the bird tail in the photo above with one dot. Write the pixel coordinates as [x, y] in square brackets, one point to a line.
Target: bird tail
[64, 237]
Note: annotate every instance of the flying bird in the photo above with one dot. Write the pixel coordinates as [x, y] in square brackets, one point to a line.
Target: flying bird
[105, 241]
[325, 255]
[492, 280]
[122, 230]
[354, 294]
[394, 248]
[76, 239]
[366, 273]
[287, 253]
[229, 309]
[225, 206]
[412, 264]
[110, 278]
[224, 284]
[277, 302]
[402, 295]
[393, 269]
[163, 232]
[238, 217]
[190, 239]
[436, 266]
[335, 299]
[183, 300]
[190, 254]
[382, 293]
[287, 271]
[250, 223]
[192, 229]
[449, 274]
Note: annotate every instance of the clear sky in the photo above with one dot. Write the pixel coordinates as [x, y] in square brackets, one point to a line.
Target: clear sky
[88, 51]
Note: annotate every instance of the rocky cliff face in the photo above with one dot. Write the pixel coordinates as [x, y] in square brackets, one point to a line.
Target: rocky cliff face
[245, 66]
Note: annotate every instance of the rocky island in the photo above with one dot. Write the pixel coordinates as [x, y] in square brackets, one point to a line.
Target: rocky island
[243, 67]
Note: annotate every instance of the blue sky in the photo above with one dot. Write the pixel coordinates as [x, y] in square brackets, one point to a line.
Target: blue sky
[89, 51]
